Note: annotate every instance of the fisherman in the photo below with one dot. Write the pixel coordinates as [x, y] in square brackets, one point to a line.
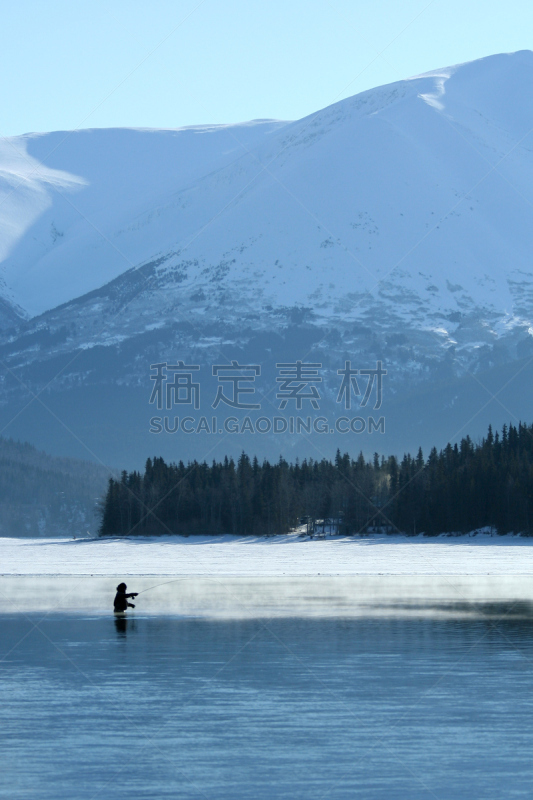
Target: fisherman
[121, 598]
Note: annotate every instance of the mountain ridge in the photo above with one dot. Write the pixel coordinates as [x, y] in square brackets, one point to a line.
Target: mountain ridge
[393, 225]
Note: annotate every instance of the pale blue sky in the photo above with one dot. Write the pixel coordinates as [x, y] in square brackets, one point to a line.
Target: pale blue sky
[68, 64]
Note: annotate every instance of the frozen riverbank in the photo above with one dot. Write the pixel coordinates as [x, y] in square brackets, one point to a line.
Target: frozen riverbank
[274, 557]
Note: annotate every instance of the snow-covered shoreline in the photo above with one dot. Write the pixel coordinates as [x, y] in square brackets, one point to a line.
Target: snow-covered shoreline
[232, 556]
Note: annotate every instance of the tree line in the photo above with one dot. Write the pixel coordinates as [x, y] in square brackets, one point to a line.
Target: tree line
[463, 487]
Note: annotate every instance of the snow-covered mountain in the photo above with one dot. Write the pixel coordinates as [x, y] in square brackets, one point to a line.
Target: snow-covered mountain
[74, 203]
[395, 224]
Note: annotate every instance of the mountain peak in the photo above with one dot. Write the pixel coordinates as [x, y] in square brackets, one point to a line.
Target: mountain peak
[90, 205]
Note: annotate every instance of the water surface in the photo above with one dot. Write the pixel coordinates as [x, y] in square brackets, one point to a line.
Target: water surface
[167, 706]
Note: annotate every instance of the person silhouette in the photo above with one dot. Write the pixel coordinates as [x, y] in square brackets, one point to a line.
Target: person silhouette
[120, 602]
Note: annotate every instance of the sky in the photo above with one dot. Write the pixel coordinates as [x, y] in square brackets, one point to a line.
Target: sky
[127, 63]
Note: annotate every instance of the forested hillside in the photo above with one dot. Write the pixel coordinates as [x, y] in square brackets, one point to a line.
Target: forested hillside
[461, 488]
[45, 496]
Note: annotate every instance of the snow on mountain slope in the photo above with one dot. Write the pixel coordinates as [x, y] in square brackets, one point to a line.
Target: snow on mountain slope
[414, 196]
[389, 194]
[66, 196]
[394, 225]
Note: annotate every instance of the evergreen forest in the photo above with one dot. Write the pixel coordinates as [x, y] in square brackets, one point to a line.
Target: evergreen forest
[464, 487]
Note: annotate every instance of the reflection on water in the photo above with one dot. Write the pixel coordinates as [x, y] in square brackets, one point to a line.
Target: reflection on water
[123, 624]
[377, 707]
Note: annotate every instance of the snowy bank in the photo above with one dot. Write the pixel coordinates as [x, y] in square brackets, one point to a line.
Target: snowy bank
[290, 555]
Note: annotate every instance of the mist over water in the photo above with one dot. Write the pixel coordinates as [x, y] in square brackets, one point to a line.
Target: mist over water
[223, 597]
[428, 701]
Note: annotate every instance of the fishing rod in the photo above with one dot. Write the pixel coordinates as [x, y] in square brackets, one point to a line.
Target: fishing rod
[165, 583]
